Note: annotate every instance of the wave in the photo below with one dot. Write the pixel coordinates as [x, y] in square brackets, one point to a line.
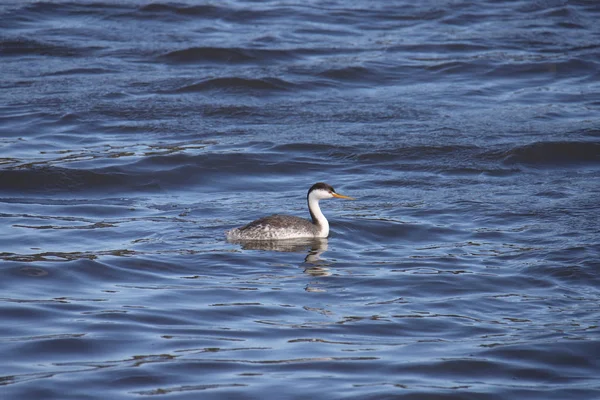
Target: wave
[162, 10]
[204, 10]
[547, 154]
[50, 179]
[81, 71]
[555, 154]
[237, 84]
[433, 152]
[224, 55]
[20, 46]
[150, 173]
[158, 171]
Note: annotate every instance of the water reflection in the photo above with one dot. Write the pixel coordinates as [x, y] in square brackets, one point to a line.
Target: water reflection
[313, 264]
[315, 247]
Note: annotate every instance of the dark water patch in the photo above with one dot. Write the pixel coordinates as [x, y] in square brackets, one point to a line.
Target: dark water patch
[563, 12]
[201, 10]
[225, 55]
[56, 179]
[575, 266]
[229, 13]
[571, 358]
[237, 84]
[21, 46]
[555, 154]
[52, 9]
[449, 159]
[386, 14]
[571, 25]
[573, 274]
[418, 50]
[412, 153]
[311, 148]
[81, 71]
[231, 110]
[65, 347]
[38, 14]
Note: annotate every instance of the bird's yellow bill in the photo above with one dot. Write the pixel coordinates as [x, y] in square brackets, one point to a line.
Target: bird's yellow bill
[341, 196]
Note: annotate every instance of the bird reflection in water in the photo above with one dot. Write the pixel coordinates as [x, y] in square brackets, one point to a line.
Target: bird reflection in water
[314, 247]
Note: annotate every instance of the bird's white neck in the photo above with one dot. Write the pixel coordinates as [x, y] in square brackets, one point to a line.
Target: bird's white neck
[317, 216]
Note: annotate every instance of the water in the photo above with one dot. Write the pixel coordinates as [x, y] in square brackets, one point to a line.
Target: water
[134, 134]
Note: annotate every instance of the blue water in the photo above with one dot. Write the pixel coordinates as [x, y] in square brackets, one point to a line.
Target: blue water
[133, 134]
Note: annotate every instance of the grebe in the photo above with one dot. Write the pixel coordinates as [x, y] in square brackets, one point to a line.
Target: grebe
[278, 226]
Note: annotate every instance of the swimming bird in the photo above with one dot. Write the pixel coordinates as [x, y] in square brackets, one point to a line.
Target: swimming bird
[278, 226]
